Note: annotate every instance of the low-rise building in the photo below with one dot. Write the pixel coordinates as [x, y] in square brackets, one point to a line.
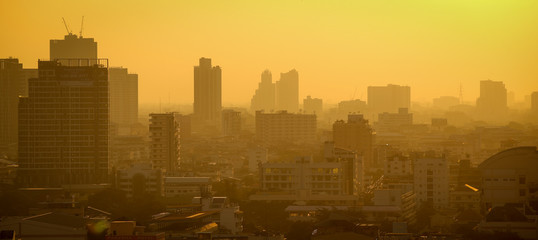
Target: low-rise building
[139, 179]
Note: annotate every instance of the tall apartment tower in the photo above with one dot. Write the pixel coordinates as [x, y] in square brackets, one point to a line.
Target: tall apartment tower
[165, 135]
[231, 122]
[389, 98]
[313, 105]
[264, 97]
[63, 124]
[73, 47]
[287, 92]
[493, 98]
[207, 92]
[11, 76]
[123, 88]
[355, 135]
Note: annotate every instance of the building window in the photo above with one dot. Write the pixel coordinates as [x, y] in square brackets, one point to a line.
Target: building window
[522, 180]
[522, 192]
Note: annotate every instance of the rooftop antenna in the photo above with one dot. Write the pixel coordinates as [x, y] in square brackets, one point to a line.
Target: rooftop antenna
[67, 28]
[81, 27]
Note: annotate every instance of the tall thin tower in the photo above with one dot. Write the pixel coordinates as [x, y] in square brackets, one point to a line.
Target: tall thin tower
[207, 92]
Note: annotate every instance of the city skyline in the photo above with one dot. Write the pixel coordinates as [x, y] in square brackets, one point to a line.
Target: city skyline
[339, 49]
[281, 120]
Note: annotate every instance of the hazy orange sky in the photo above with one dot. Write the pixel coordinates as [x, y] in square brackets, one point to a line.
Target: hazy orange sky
[338, 47]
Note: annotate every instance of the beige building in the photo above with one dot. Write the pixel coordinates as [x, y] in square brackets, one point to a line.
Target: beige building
[336, 176]
[140, 179]
[393, 122]
[164, 132]
[431, 179]
[313, 105]
[284, 127]
[356, 135]
[231, 122]
[123, 92]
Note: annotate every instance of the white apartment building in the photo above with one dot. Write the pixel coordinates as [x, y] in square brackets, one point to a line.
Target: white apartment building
[305, 175]
[431, 177]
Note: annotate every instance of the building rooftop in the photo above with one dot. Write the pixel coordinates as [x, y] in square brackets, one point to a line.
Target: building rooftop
[519, 157]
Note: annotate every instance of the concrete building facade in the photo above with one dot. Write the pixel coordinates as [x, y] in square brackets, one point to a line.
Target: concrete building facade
[63, 125]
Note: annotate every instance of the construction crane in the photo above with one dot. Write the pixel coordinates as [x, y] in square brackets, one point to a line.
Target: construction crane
[67, 28]
[81, 26]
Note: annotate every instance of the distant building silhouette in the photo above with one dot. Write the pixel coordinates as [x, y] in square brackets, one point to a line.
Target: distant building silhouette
[231, 122]
[445, 102]
[287, 92]
[356, 135]
[164, 129]
[389, 98]
[23, 85]
[492, 102]
[207, 92]
[73, 47]
[264, 97]
[534, 102]
[123, 89]
[393, 122]
[63, 125]
[313, 105]
[352, 106]
[11, 76]
[283, 127]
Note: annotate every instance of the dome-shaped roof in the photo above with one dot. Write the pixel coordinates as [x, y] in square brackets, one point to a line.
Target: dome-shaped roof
[519, 158]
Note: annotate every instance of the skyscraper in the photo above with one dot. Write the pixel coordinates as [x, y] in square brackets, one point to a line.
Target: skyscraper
[389, 98]
[73, 47]
[123, 88]
[11, 76]
[287, 92]
[165, 145]
[264, 97]
[492, 102]
[207, 92]
[63, 125]
[356, 135]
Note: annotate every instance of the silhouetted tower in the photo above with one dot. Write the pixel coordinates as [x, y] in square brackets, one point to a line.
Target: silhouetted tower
[123, 88]
[73, 47]
[63, 125]
[11, 76]
[264, 97]
[492, 102]
[207, 92]
[356, 135]
[287, 91]
[389, 98]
